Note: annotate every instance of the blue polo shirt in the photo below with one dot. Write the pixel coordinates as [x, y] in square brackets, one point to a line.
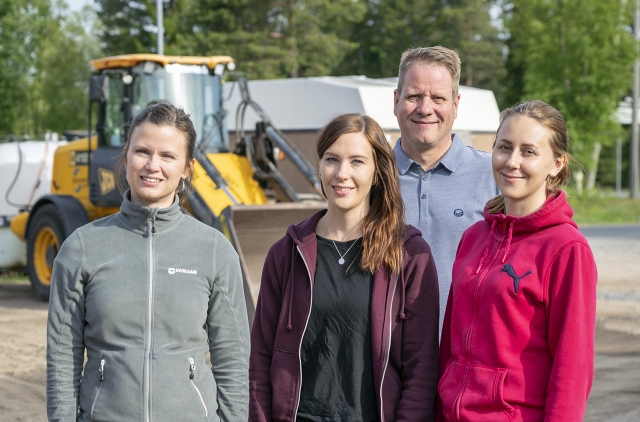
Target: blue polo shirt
[444, 201]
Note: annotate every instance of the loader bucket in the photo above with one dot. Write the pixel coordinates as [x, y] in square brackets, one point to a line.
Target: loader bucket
[255, 228]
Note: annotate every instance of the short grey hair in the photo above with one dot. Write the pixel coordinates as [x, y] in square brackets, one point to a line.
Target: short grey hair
[434, 56]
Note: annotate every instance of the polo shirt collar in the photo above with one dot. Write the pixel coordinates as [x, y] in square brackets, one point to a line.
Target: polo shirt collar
[450, 160]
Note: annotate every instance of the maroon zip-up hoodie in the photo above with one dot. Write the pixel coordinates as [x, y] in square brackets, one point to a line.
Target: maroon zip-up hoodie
[404, 329]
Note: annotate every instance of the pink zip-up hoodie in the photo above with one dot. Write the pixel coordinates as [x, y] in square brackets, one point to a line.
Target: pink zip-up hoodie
[519, 329]
[404, 330]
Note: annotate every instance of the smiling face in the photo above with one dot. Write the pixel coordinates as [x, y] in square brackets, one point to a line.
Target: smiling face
[156, 161]
[522, 159]
[347, 169]
[426, 109]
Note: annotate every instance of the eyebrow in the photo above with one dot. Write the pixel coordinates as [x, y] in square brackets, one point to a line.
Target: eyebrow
[524, 145]
[351, 156]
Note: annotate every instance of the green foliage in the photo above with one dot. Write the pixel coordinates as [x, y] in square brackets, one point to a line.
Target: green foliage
[22, 29]
[43, 85]
[602, 207]
[270, 39]
[577, 56]
[467, 29]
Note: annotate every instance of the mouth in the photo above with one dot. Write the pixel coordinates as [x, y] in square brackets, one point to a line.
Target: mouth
[511, 177]
[341, 190]
[150, 179]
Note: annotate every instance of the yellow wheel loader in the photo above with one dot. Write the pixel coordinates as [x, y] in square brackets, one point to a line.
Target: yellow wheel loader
[239, 192]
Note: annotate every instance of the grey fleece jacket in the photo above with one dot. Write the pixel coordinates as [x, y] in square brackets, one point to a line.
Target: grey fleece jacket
[147, 292]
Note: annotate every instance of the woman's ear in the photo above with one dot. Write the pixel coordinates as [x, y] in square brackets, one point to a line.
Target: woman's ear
[188, 170]
[558, 165]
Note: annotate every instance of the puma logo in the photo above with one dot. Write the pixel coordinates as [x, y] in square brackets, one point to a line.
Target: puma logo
[516, 278]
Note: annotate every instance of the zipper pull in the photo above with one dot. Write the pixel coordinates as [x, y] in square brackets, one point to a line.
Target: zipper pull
[153, 224]
[101, 370]
[192, 368]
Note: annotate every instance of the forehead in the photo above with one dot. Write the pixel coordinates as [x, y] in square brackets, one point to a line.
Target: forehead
[423, 76]
[160, 136]
[350, 144]
[523, 129]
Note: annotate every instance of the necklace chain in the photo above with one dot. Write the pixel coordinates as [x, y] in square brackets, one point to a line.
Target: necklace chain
[341, 260]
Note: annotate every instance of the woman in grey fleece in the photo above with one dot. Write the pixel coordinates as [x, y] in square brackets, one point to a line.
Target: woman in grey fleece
[146, 293]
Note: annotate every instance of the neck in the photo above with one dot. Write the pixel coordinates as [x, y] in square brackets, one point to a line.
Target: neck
[429, 156]
[524, 207]
[344, 226]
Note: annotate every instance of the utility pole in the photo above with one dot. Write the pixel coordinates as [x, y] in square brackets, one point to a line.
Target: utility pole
[159, 11]
[633, 164]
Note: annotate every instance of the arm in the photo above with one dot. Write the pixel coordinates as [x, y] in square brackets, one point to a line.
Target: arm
[65, 332]
[571, 311]
[228, 331]
[420, 341]
[265, 324]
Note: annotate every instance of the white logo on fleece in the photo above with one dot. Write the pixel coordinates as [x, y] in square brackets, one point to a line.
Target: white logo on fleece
[182, 271]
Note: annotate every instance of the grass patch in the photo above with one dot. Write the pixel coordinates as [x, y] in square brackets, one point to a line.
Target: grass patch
[14, 277]
[604, 207]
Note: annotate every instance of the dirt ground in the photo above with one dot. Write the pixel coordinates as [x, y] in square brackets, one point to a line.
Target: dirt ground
[615, 396]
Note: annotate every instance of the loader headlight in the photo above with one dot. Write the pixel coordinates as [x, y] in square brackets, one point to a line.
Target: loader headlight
[127, 79]
[231, 66]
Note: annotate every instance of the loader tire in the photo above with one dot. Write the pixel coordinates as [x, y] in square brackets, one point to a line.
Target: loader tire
[46, 234]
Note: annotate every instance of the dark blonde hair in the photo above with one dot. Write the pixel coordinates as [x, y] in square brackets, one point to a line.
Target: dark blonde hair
[434, 56]
[552, 120]
[161, 114]
[383, 227]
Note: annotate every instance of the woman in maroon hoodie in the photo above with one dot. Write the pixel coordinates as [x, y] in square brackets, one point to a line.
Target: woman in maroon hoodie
[519, 329]
[346, 324]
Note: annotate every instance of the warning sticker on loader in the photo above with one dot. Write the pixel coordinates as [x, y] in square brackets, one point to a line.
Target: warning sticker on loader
[107, 181]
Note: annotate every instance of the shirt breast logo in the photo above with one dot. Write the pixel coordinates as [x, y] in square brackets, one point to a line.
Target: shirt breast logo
[458, 212]
[181, 271]
[516, 278]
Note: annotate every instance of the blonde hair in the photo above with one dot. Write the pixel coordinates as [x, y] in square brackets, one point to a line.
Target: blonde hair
[552, 120]
[434, 56]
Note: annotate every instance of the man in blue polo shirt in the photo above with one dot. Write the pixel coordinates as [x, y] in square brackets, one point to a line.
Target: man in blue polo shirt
[444, 184]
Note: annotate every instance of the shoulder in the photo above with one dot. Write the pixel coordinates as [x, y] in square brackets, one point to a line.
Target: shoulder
[202, 234]
[476, 158]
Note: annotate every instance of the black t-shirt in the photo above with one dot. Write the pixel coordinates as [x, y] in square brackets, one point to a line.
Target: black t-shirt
[337, 368]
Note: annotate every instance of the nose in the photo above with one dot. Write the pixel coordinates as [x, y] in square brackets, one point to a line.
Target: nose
[513, 160]
[153, 162]
[425, 106]
[342, 172]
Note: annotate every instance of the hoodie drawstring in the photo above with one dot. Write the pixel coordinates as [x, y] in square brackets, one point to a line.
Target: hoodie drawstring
[292, 282]
[509, 237]
[486, 249]
[402, 294]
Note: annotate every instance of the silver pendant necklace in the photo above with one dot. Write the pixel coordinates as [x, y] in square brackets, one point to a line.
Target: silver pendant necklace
[341, 260]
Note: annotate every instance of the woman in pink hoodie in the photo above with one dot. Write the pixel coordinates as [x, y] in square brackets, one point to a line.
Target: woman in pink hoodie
[518, 336]
[346, 324]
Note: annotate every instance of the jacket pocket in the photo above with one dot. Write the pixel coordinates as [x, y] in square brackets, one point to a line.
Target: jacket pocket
[285, 382]
[474, 392]
[192, 371]
[95, 398]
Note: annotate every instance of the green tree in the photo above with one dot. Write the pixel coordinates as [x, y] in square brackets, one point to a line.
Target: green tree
[578, 57]
[22, 28]
[271, 39]
[43, 85]
[466, 27]
[60, 87]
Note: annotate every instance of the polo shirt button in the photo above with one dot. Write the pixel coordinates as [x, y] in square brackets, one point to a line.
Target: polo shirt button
[423, 196]
[424, 178]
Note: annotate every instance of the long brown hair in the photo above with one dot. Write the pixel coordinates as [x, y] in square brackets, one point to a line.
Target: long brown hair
[383, 227]
[160, 114]
[553, 121]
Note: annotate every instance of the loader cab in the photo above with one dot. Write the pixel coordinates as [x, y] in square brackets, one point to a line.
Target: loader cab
[124, 85]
